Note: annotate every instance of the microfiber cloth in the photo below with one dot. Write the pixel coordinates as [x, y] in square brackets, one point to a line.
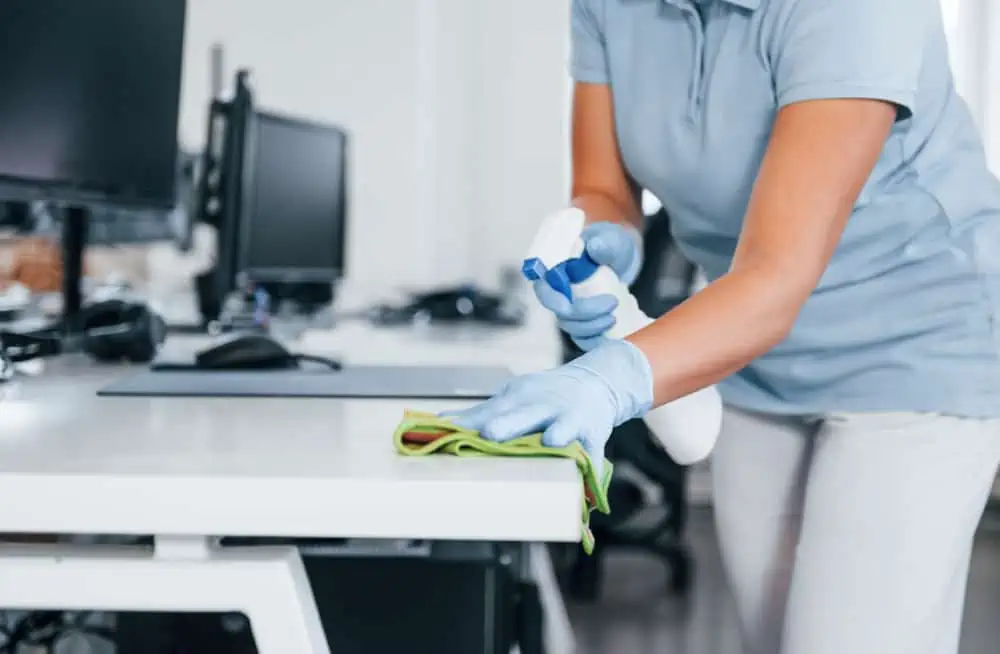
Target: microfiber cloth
[421, 434]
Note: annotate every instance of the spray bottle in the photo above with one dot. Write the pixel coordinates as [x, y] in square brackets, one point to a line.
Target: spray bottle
[687, 427]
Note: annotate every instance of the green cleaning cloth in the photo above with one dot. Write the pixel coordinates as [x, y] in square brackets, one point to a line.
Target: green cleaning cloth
[421, 434]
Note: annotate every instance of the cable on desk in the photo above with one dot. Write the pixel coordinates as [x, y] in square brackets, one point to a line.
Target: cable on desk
[329, 363]
[47, 628]
[35, 628]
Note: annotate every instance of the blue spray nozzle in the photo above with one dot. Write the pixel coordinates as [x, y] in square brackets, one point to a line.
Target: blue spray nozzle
[533, 269]
[557, 254]
[563, 275]
[580, 268]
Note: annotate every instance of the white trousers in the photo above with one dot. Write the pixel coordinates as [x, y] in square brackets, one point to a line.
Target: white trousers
[851, 534]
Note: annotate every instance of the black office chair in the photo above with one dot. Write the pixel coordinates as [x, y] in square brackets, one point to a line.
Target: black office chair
[665, 281]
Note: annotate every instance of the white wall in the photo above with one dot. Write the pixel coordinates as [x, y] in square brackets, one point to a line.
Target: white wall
[974, 43]
[522, 143]
[991, 101]
[456, 108]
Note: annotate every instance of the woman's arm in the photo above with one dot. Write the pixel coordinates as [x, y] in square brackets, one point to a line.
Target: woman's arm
[819, 157]
[601, 186]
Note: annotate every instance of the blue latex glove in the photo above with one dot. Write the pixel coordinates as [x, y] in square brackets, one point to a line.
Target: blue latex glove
[580, 401]
[587, 320]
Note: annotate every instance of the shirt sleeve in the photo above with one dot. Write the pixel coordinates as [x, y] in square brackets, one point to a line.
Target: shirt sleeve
[871, 49]
[588, 59]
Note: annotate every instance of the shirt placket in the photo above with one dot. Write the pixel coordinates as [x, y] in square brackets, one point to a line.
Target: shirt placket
[695, 94]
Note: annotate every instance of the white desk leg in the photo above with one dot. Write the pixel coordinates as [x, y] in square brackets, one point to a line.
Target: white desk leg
[269, 585]
[558, 629]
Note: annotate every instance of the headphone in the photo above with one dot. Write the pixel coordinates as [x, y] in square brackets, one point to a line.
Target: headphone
[112, 330]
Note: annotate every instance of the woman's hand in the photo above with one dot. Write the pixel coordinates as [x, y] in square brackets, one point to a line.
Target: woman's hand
[580, 401]
[587, 320]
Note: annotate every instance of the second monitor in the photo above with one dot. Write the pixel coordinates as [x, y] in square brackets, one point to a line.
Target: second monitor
[294, 204]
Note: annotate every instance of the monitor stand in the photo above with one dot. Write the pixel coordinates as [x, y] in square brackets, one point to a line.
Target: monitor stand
[74, 241]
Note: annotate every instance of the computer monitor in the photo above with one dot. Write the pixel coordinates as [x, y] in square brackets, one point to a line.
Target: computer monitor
[219, 193]
[89, 100]
[89, 107]
[294, 204]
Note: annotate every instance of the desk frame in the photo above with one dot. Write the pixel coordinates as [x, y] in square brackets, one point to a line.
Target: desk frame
[180, 574]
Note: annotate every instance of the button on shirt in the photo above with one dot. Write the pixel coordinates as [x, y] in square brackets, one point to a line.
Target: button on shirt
[904, 317]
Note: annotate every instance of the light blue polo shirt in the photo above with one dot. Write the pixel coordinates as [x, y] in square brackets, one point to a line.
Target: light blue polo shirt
[905, 317]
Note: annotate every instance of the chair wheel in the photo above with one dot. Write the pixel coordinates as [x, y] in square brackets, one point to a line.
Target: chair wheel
[585, 577]
[681, 573]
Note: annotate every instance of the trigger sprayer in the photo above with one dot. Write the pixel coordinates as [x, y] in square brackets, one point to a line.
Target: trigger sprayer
[687, 427]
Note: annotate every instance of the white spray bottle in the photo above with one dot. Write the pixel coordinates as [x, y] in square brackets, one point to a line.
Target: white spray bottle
[687, 427]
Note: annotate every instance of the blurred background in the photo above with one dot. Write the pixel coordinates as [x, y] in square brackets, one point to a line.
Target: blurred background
[452, 121]
[458, 115]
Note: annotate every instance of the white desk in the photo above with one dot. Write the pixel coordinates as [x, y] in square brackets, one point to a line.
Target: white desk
[188, 470]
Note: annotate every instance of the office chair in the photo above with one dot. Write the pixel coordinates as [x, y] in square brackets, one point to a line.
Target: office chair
[636, 523]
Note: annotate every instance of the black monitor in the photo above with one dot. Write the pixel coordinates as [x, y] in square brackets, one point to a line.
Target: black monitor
[89, 99]
[218, 194]
[89, 106]
[294, 206]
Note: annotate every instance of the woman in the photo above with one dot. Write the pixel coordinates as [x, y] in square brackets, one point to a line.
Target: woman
[817, 163]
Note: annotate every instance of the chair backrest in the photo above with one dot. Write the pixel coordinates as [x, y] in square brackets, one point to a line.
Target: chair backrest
[667, 276]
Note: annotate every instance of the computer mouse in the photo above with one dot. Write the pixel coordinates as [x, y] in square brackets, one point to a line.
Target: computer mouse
[247, 352]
